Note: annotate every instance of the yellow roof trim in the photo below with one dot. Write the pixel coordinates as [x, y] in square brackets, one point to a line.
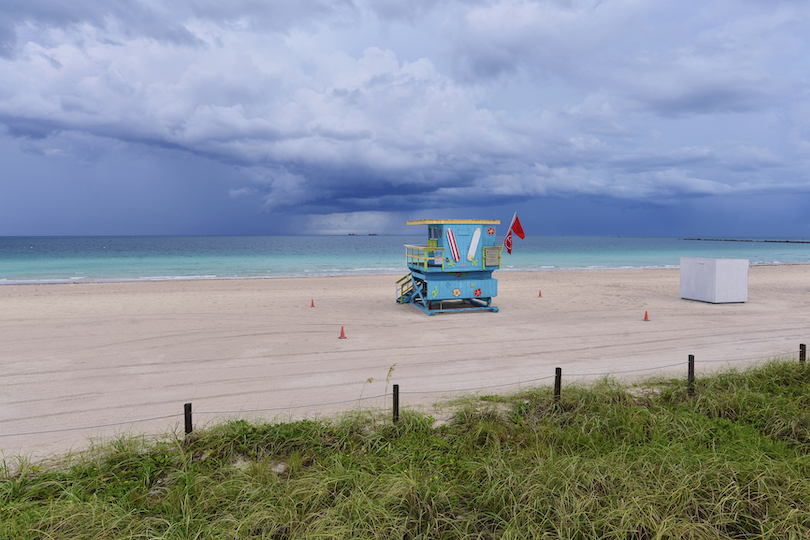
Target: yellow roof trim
[455, 222]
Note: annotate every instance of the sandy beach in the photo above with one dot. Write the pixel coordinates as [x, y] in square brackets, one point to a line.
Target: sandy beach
[104, 354]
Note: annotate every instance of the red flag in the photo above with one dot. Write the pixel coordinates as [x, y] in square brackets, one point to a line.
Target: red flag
[517, 228]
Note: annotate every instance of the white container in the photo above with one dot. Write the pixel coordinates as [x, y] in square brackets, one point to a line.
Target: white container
[719, 281]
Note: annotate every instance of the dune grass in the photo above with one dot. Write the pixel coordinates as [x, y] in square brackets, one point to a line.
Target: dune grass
[607, 461]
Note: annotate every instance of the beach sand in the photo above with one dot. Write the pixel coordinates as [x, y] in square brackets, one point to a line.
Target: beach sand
[87, 355]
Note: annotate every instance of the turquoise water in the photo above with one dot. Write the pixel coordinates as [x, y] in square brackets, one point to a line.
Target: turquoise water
[88, 259]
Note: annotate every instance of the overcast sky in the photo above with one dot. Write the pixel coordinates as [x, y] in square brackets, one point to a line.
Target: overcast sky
[632, 117]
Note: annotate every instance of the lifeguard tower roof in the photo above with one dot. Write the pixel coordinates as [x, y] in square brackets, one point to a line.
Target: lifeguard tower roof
[454, 222]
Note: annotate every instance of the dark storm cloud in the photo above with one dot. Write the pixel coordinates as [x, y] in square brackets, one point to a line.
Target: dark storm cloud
[28, 128]
[165, 22]
[709, 100]
[8, 37]
[129, 17]
[367, 107]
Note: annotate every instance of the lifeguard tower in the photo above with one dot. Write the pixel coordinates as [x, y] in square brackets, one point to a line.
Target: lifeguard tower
[453, 272]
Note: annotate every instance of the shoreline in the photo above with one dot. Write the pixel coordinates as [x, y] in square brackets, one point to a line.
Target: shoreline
[120, 352]
[750, 240]
[4, 282]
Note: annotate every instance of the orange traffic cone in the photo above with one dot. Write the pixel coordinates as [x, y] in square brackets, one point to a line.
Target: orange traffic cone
[646, 317]
[342, 333]
[313, 303]
[539, 294]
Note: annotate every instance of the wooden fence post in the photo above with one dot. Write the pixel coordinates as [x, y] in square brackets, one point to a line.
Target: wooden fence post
[187, 411]
[557, 384]
[802, 353]
[396, 403]
[691, 375]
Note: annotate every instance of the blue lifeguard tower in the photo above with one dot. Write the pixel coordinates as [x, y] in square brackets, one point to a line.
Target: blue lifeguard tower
[453, 272]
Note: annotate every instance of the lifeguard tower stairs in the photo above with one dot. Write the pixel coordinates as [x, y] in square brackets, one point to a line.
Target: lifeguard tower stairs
[453, 272]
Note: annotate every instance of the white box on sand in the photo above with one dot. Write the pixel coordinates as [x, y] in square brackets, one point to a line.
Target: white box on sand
[718, 281]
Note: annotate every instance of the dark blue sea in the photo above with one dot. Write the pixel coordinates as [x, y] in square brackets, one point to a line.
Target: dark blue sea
[151, 258]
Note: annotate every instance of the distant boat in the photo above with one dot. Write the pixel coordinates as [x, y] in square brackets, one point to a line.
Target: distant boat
[352, 234]
[372, 234]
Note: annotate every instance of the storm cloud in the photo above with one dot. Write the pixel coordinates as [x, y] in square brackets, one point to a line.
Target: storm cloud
[332, 116]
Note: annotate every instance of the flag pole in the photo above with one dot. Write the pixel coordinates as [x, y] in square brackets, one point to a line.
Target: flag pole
[512, 223]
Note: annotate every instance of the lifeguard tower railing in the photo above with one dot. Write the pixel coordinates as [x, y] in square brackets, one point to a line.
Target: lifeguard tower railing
[424, 257]
[431, 258]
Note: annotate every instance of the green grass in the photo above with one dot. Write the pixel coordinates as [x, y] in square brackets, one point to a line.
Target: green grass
[607, 461]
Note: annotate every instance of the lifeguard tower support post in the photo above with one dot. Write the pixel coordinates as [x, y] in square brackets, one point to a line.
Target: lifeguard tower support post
[453, 272]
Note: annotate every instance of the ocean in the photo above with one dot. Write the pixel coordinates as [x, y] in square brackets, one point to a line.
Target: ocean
[30, 260]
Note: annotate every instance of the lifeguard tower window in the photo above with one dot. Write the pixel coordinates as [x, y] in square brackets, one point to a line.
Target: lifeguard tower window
[433, 237]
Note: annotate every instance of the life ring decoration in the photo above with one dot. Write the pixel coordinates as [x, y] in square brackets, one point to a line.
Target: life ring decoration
[477, 292]
[456, 292]
[491, 231]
